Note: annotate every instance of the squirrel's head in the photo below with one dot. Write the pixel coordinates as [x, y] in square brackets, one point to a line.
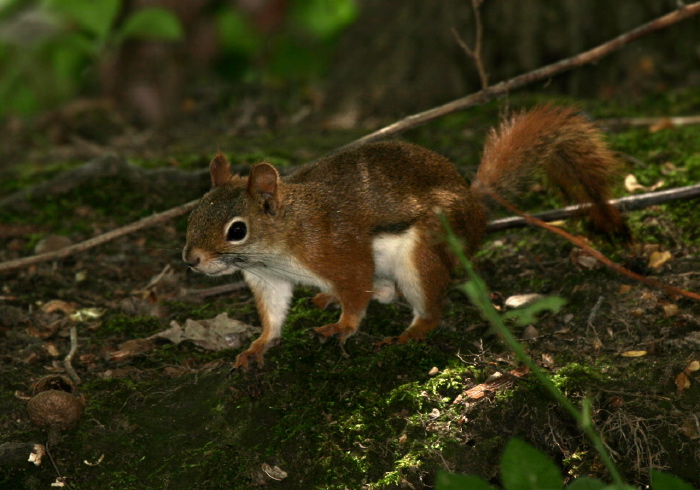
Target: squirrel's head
[233, 226]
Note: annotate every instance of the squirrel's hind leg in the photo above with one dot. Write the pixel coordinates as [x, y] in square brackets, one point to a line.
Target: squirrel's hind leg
[353, 292]
[423, 279]
[354, 305]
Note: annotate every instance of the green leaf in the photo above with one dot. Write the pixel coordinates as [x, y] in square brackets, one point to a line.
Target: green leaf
[525, 468]
[152, 23]
[236, 33]
[450, 481]
[95, 16]
[666, 481]
[324, 18]
[527, 314]
[586, 483]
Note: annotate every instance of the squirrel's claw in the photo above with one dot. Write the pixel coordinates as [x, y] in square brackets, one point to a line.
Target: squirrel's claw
[337, 329]
[408, 335]
[244, 358]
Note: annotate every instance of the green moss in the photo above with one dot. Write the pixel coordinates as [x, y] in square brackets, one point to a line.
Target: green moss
[130, 326]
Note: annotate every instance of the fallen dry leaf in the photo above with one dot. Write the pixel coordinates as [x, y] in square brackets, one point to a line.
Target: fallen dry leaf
[690, 429]
[683, 379]
[624, 289]
[669, 168]
[670, 310]
[682, 382]
[583, 259]
[657, 259]
[132, 348]
[632, 185]
[634, 353]
[52, 350]
[59, 305]
[530, 333]
[220, 332]
[519, 300]
[274, 472]
[52, 243]
[492, 384]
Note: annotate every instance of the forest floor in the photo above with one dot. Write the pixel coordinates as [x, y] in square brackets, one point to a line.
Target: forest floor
[165, 415]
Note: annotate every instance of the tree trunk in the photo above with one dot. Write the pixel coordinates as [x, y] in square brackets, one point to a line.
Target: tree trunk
[401, 55]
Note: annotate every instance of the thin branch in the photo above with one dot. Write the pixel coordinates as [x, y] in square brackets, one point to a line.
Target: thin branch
[100, 239]
[409, 122]
[629, 203]
[660, 121]
[581, 243]
[475, 53]
[483, 96]
[68, 361]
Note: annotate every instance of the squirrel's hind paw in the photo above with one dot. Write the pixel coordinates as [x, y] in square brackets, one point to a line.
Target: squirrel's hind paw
[253, 354]
[337, 329]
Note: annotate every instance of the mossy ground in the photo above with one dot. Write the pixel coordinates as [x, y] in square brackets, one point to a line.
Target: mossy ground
[358, 416]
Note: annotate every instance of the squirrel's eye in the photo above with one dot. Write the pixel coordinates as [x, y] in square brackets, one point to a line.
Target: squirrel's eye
[237, 231]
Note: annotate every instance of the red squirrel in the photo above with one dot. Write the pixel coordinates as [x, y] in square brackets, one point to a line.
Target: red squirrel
[365, 223]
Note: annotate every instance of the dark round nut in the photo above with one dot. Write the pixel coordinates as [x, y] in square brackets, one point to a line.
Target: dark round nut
[55, 409]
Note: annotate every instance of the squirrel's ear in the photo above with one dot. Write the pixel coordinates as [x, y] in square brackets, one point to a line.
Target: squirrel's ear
[220, 170]
[262, 182]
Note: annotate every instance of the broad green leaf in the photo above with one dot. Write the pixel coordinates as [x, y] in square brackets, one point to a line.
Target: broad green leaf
[525, 468]
[152, 23]
[586, 483]
[450, 481]
[527, 314]
[666, 481]
[236, 33]
[324, 18]
[95, 16]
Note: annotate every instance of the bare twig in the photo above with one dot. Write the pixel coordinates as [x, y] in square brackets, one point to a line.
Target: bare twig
[409, 122]
[629, 203]
[670, 121]
[67, 362]
[543, 73]
[579, 242]
[475, 53]
[216, 290]
[100, 239]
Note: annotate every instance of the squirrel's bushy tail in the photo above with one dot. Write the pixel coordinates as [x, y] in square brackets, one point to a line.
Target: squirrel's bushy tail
[564, 146]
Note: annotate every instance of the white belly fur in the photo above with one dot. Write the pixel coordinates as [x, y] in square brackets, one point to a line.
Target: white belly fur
[393, 264]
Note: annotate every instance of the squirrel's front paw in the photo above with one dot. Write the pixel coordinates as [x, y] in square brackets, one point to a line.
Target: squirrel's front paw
[341, 331]
[244, 358]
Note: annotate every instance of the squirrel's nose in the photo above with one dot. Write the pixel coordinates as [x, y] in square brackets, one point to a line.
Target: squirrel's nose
[191, 257]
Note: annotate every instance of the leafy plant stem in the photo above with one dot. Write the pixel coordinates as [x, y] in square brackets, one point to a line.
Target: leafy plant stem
[478, 293]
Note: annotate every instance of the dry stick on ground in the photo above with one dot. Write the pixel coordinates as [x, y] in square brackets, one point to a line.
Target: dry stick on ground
[100, 239]
[672, 121]
[482, 96]
[67, 362]
[590, 56]
[670, 290]
[629, 203]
